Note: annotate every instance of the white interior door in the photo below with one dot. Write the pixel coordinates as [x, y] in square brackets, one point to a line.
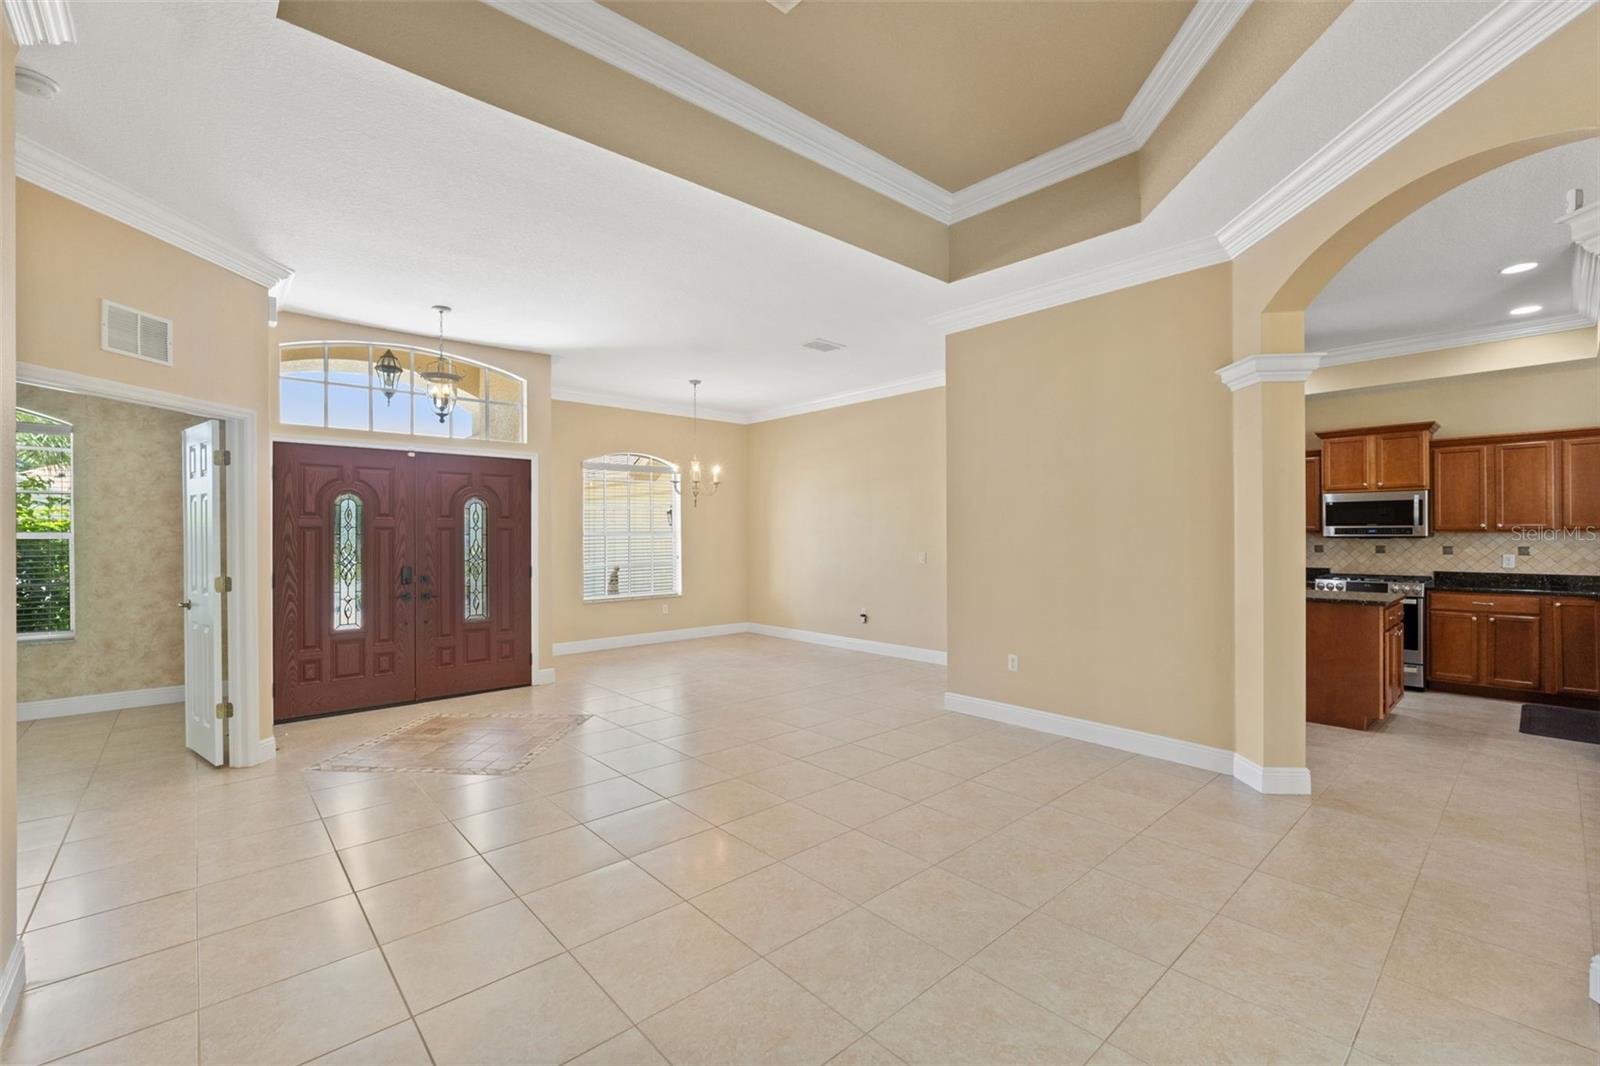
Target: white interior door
[204, 688]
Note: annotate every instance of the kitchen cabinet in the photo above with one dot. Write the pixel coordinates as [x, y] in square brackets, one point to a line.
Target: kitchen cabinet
[1355, 661]
[1381, 459]
[1461, 488]
[1394, 656]
[1574, 646]
[1580, 482]
[1512, 656]
[1455, 643]
[1314, 494]
[1525, 491]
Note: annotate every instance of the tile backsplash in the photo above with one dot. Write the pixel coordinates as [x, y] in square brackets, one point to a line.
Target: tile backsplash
[1566, 553]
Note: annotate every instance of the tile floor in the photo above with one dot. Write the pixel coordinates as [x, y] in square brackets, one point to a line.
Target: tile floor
[761, 851]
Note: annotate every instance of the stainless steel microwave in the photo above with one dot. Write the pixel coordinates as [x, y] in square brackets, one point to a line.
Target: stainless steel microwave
[1374, 514]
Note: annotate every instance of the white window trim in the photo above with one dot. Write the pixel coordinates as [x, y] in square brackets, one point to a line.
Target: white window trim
[373, 391]
[62, 428]
[658, 466]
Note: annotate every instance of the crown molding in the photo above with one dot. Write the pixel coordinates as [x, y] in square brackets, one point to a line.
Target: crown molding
[53, 171]
[1492, 44]
[1197, 40]
[638, 403]
[1135, 270]
[1262, 369]
[1433, 342]
[920, 383]
[615, 39]
[1092, 150]
[40, 22]
[593, 28]
[1585, 226]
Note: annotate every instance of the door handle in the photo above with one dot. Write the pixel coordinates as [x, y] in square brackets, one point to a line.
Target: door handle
[187, 605]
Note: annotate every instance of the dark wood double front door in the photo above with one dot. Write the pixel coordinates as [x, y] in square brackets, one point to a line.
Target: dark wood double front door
[397, 576]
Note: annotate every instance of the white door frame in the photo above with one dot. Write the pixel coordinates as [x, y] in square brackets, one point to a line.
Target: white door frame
[245, 744]
[542, 675]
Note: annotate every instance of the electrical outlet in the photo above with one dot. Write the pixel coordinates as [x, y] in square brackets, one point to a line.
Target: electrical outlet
[1011, 663]
[1508, 561]
[922, 558]
[666, 608]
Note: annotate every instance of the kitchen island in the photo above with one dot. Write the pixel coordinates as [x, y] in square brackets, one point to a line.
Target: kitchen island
[1355, 656]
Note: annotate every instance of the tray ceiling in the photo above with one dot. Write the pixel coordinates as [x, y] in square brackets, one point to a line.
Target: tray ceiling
[955, 92]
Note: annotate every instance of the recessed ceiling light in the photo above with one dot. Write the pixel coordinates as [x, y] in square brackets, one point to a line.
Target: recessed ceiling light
[822, 344]
[1519, 268]
[1527, 309]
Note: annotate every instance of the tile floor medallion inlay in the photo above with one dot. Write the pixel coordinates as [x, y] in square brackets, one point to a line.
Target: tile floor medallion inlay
[747, 850]
[458, 743]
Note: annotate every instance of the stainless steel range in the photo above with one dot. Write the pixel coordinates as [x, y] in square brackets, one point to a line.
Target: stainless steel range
[1415, 591]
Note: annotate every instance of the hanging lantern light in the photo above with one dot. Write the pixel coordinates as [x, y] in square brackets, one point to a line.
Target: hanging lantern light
[388, 369]
[441, 375]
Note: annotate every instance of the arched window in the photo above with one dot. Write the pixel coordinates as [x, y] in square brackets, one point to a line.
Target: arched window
[632, 546]
[45, 548]
[347, 530]
[341, 385]
[475, 559]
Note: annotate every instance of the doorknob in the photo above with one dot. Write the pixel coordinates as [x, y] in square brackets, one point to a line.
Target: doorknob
[186, 604]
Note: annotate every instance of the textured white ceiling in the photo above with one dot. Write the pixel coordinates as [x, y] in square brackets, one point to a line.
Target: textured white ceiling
[1438, 269]
[387, 193]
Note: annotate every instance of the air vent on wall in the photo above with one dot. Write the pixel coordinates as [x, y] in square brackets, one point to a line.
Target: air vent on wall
[128, 332]
[821, 345]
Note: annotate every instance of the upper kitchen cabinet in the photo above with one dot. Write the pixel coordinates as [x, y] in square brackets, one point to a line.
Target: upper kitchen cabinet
[1580, 482]
[1460, 488]
[1380, 459]
[1525, 486]
[1313, 493]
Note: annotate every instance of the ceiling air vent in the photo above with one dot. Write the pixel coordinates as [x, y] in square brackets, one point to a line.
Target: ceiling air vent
[820, 345]
[128, 332]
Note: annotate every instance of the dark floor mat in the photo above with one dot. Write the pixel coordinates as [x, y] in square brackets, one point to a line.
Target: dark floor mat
[1567, 723]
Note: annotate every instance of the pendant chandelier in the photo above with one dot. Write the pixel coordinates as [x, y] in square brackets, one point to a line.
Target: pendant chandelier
[388, 368]
[441, 375]
[694, 454]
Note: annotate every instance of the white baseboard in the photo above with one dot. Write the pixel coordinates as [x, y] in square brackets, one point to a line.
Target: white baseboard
[1282, 780]
[634, 640]
[547, 676]
[1594, 978]
[97, 702]
[831, 640]
[871, 647]
[12, 982]
[1272, 780]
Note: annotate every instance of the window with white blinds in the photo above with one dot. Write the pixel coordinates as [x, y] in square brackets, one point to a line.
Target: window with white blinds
[631, 542]
[44, 526]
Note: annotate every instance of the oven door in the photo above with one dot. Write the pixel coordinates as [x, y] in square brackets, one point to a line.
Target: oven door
[1375, 514]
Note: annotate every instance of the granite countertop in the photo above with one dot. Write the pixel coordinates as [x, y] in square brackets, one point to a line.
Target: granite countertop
[1370, 599]
[1534, 584]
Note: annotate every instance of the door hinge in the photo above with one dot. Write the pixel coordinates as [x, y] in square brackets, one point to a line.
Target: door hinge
[223, 584]
[221, 457]
[224, 710]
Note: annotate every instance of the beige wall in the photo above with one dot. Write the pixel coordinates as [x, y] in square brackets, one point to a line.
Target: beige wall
[69, 258]
[128, 552]
[847, 514]
[1553, 396]
[1090, 509]
[713, 531]
[1567, 346]
[532, 367]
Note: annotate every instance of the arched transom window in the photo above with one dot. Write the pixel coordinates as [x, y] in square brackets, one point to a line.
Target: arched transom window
[337, 385]
[631, 539]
